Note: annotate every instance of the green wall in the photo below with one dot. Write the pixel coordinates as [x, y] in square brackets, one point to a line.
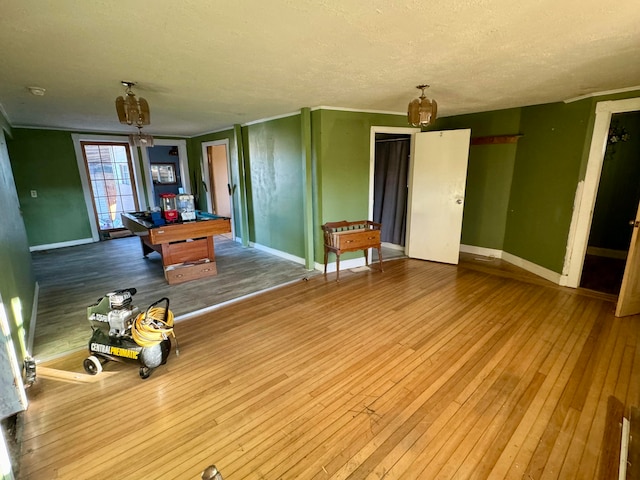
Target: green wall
[519, 197]
[489, 175]
[45, 161]
[275, 184]
[545, 177]
[343, 163]
[17, 281]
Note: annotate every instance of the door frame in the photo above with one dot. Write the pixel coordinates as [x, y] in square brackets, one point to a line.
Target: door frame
[183, 161]
[411, 131]
[78, 138]
[587, 189]
[204, 169]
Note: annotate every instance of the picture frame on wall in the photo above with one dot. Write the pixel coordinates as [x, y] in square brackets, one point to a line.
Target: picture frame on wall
[163, 173]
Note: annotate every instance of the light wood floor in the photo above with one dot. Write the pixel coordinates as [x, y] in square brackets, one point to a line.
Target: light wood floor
[424, 371]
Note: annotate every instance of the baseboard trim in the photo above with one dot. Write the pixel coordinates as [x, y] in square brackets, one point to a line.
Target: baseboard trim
[188, 316]
[277, 253]
[514, 260]
[534, 268]
[344, 265]
[51, 246]
[485, 252]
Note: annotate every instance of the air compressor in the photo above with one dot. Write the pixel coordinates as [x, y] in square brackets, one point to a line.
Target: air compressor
[121, 332]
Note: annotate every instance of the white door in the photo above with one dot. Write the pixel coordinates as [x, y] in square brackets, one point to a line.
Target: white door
[437, 180]
[629, 298]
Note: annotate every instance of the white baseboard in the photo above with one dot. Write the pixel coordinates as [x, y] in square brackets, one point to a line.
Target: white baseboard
[344, 265]
[485, 252]
[533, 268]
[51, 246]
[514, 260]
[277, 253]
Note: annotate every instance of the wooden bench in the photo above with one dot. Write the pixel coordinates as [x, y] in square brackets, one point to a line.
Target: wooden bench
[342, 237]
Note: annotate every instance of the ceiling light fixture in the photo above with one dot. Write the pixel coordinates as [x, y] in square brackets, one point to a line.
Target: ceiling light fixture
[134, 111]
[422, 111]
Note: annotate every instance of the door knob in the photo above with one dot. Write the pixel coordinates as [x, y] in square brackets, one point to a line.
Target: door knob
[635, 223]
[459, 201]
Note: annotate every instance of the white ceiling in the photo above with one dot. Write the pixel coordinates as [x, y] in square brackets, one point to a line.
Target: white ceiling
[205, 65]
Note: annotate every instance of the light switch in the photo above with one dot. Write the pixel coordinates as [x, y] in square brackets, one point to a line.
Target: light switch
[34, 193]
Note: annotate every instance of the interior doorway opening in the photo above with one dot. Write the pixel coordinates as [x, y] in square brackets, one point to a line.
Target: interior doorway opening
[217, 181]
[615, 208]
[379, 134]
[166, 169]
[391, 188]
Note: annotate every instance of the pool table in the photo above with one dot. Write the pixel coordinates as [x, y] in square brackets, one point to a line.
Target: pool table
[187, 248]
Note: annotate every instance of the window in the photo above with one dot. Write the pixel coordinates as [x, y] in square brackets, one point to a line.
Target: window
[109, 172]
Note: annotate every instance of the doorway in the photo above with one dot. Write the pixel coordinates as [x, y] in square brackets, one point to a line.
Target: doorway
[585, 200]
[390, 191]
[390, 151]
[616, 204]
[164, 165]
[167, 169]
[216, 177]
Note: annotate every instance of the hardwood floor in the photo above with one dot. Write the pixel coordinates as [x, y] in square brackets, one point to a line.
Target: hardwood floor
[424, 371]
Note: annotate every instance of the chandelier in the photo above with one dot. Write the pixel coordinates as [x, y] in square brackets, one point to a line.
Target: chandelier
[422, 111]
[134, 111]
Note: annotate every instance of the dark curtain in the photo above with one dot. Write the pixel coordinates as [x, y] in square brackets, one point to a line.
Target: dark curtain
[390, 188]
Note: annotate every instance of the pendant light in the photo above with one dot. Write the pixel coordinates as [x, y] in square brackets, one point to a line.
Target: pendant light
[134, 111]
[422, 111]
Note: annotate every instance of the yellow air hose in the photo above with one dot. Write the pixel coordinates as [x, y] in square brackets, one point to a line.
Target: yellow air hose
[151, 327]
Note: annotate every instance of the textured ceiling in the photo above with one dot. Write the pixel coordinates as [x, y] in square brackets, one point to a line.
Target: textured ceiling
[204, 65]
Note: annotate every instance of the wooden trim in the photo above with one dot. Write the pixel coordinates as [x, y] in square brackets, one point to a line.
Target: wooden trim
[495, 139]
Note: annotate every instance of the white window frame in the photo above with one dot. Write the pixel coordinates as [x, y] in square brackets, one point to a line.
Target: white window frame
[82, 169]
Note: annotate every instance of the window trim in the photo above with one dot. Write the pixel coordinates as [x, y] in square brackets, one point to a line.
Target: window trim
[86, 188]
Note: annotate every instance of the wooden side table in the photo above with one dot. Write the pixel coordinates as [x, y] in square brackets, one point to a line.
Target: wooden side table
[341, 237]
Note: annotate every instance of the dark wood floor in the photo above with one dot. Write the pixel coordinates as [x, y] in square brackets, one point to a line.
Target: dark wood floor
[73, 278]
[425, 371]
[603, 274]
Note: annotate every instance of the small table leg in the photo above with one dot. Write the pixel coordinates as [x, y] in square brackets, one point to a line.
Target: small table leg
[146, 249]
[326, 259]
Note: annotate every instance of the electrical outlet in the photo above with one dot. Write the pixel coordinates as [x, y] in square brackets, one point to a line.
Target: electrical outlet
[34, 193]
